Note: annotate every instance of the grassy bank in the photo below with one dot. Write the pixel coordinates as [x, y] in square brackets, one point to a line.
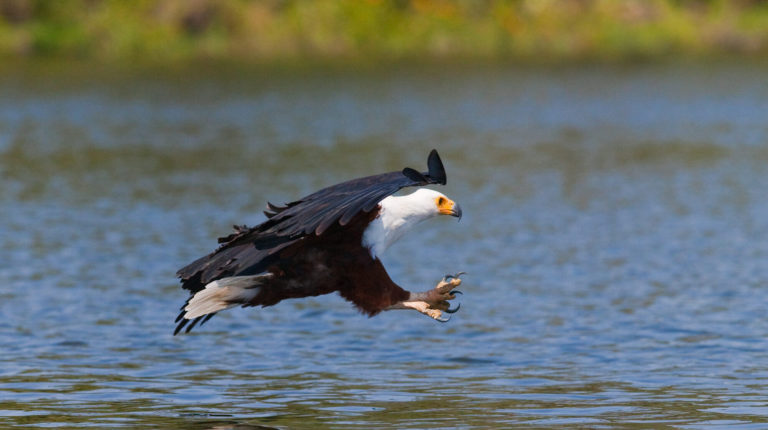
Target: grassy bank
[278, 30]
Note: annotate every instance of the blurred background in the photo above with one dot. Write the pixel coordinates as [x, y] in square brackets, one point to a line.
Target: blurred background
[281, 30]
[611, 158]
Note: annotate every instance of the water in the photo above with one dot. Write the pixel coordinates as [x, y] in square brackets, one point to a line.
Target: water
[615, 232]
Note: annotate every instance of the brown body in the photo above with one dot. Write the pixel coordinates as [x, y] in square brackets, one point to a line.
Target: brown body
[337, 261]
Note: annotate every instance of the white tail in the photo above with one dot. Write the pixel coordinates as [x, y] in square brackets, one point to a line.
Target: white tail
[223, 294]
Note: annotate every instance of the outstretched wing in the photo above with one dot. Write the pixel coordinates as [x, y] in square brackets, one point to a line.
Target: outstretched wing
[252, 250]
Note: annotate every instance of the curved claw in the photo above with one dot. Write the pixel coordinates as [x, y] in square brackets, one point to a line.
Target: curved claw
[453, 311]
[454, 292]
[443, 320]
[454, 276]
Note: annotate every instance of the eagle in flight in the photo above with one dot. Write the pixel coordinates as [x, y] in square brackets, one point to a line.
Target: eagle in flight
[328, 241]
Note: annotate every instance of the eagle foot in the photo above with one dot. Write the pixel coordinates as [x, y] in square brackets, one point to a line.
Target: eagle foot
[435, 302]
[449, 282]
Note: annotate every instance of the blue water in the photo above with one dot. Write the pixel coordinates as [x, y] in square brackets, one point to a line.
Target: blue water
[615, 233]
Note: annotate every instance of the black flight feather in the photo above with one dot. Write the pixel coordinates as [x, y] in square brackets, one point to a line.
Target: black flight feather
[436, 169]
[414, 175]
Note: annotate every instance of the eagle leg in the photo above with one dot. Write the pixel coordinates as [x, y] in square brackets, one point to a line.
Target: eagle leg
[434, 303]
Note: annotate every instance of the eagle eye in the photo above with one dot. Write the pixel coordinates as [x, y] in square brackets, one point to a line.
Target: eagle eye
[441, 201]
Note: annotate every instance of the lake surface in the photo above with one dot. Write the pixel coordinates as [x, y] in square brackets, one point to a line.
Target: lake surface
[615, 235]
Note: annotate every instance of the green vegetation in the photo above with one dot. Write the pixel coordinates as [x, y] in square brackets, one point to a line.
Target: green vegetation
[279, 30]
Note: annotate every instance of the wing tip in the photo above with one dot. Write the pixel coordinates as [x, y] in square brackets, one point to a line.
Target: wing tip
[435, 175]
[414, 175]
[436, 168]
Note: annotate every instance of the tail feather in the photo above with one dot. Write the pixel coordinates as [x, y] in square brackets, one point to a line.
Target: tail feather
[219, 295]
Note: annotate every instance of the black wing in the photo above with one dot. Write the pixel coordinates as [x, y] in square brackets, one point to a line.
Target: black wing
[251, 250]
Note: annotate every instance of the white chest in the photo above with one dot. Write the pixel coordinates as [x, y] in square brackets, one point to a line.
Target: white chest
[396, 216]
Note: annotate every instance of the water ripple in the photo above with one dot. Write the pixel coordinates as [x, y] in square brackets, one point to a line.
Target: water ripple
[613, 239]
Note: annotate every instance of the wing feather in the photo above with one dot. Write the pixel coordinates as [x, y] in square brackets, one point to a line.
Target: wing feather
[365, 203]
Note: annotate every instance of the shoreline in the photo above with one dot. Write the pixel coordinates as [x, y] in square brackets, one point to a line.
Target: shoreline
[350, 31]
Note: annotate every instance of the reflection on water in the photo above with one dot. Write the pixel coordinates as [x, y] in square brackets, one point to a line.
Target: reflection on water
[614, 233]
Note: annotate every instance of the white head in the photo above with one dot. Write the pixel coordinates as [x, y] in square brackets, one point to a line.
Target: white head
[398, 214]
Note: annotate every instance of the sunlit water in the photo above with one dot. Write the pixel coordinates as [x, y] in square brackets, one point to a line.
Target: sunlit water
[615, 235]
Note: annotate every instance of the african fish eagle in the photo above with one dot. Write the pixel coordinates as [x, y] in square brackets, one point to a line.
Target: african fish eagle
[328, 241]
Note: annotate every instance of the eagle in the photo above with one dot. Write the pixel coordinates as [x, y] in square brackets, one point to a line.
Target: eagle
[329, 241]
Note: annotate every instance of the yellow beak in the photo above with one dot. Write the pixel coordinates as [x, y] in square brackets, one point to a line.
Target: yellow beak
[449, 207]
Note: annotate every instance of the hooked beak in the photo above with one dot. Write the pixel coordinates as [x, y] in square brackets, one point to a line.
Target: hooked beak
[448, 207]
[456, 211]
